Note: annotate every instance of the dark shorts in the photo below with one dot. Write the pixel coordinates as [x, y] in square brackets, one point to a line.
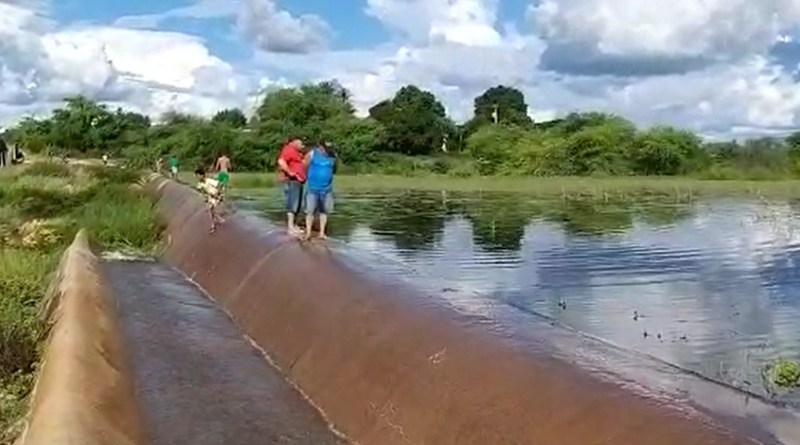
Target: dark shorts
[294, 196]
[319, 202]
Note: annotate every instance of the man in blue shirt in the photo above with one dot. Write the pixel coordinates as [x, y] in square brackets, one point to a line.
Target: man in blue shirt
[321, 165]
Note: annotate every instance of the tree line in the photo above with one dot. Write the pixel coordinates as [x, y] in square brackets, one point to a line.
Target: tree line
[407, 133]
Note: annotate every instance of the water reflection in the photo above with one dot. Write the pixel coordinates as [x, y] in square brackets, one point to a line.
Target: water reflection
[712, 286]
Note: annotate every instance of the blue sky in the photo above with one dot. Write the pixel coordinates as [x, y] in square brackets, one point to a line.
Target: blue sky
[726, 68]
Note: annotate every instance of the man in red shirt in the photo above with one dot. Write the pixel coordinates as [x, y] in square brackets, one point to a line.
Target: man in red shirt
[293, 173]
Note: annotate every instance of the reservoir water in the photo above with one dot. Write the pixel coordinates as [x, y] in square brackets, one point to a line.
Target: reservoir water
[711, 286]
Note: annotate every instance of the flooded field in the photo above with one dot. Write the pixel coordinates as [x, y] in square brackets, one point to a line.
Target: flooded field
[710, 286]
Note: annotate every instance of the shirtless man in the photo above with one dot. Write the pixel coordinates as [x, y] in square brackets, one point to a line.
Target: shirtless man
[223, 167]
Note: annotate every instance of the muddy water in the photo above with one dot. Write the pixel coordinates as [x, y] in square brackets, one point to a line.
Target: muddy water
[711, 286]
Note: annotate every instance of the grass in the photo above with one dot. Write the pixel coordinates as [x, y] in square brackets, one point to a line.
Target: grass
[544, 186]
[23, 281]
[120, 219]
[48, 169]
[41, 209]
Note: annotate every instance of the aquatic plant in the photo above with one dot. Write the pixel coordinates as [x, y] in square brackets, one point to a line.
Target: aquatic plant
[784, 374]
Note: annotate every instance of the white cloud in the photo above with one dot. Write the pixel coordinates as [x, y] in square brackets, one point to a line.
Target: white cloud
[202, 9]
[467, 22]
[273, 29]
[150, 71]
[260, 22]
[667, 28]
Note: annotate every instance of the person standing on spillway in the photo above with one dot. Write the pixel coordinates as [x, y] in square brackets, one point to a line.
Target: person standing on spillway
[293, 174]
[321, 164]
[211, 191]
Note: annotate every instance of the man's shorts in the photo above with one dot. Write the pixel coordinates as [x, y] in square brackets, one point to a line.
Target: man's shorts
[319, 202]
[224, 178]
[294, 196]
[174, 170]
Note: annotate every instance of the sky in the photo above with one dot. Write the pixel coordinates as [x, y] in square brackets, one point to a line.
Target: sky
[723, 68]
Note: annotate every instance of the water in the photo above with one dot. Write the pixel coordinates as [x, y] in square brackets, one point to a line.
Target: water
[711, 286]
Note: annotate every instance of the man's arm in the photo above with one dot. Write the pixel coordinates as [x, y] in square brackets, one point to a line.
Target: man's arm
[307, 158]
[285, 167]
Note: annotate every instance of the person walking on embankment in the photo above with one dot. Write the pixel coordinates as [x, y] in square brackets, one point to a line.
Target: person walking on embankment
[173, 166]
[321, 165]
[223, 167]
[293, 174]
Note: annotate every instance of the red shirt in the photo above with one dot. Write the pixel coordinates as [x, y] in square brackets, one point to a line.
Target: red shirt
[294, 160]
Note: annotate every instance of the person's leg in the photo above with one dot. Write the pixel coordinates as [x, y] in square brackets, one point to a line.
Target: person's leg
[312, 201]
[292, 203]
[326, 207]
[211, 213]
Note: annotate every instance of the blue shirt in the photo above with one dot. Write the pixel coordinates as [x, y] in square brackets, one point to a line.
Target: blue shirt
[320, 172]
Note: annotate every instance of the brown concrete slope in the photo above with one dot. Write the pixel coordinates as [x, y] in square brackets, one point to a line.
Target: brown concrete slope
[84, 393]
[198, 379]
[388, 366]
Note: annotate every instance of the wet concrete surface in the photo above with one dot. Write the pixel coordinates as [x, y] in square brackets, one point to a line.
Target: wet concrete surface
[198, 379]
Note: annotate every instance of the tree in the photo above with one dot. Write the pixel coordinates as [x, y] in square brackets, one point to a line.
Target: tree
[414, 122]
[232, 117]
[81, 125]
[509, 104]
[793, 142]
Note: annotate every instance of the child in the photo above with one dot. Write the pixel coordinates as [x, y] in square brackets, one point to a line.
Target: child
[210, 189]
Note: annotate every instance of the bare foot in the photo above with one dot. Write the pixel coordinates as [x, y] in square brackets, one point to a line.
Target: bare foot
[323, 236]
[212, 230]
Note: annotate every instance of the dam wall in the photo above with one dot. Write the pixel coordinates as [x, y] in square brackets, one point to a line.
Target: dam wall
[84, 392]
[388, 365]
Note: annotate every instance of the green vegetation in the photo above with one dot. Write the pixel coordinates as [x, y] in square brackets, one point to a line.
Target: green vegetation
[409, 134]
[561, 187]
[784, 374]
[43, 206]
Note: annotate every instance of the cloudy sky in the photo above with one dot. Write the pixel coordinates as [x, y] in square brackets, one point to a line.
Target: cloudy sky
[721, 67]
